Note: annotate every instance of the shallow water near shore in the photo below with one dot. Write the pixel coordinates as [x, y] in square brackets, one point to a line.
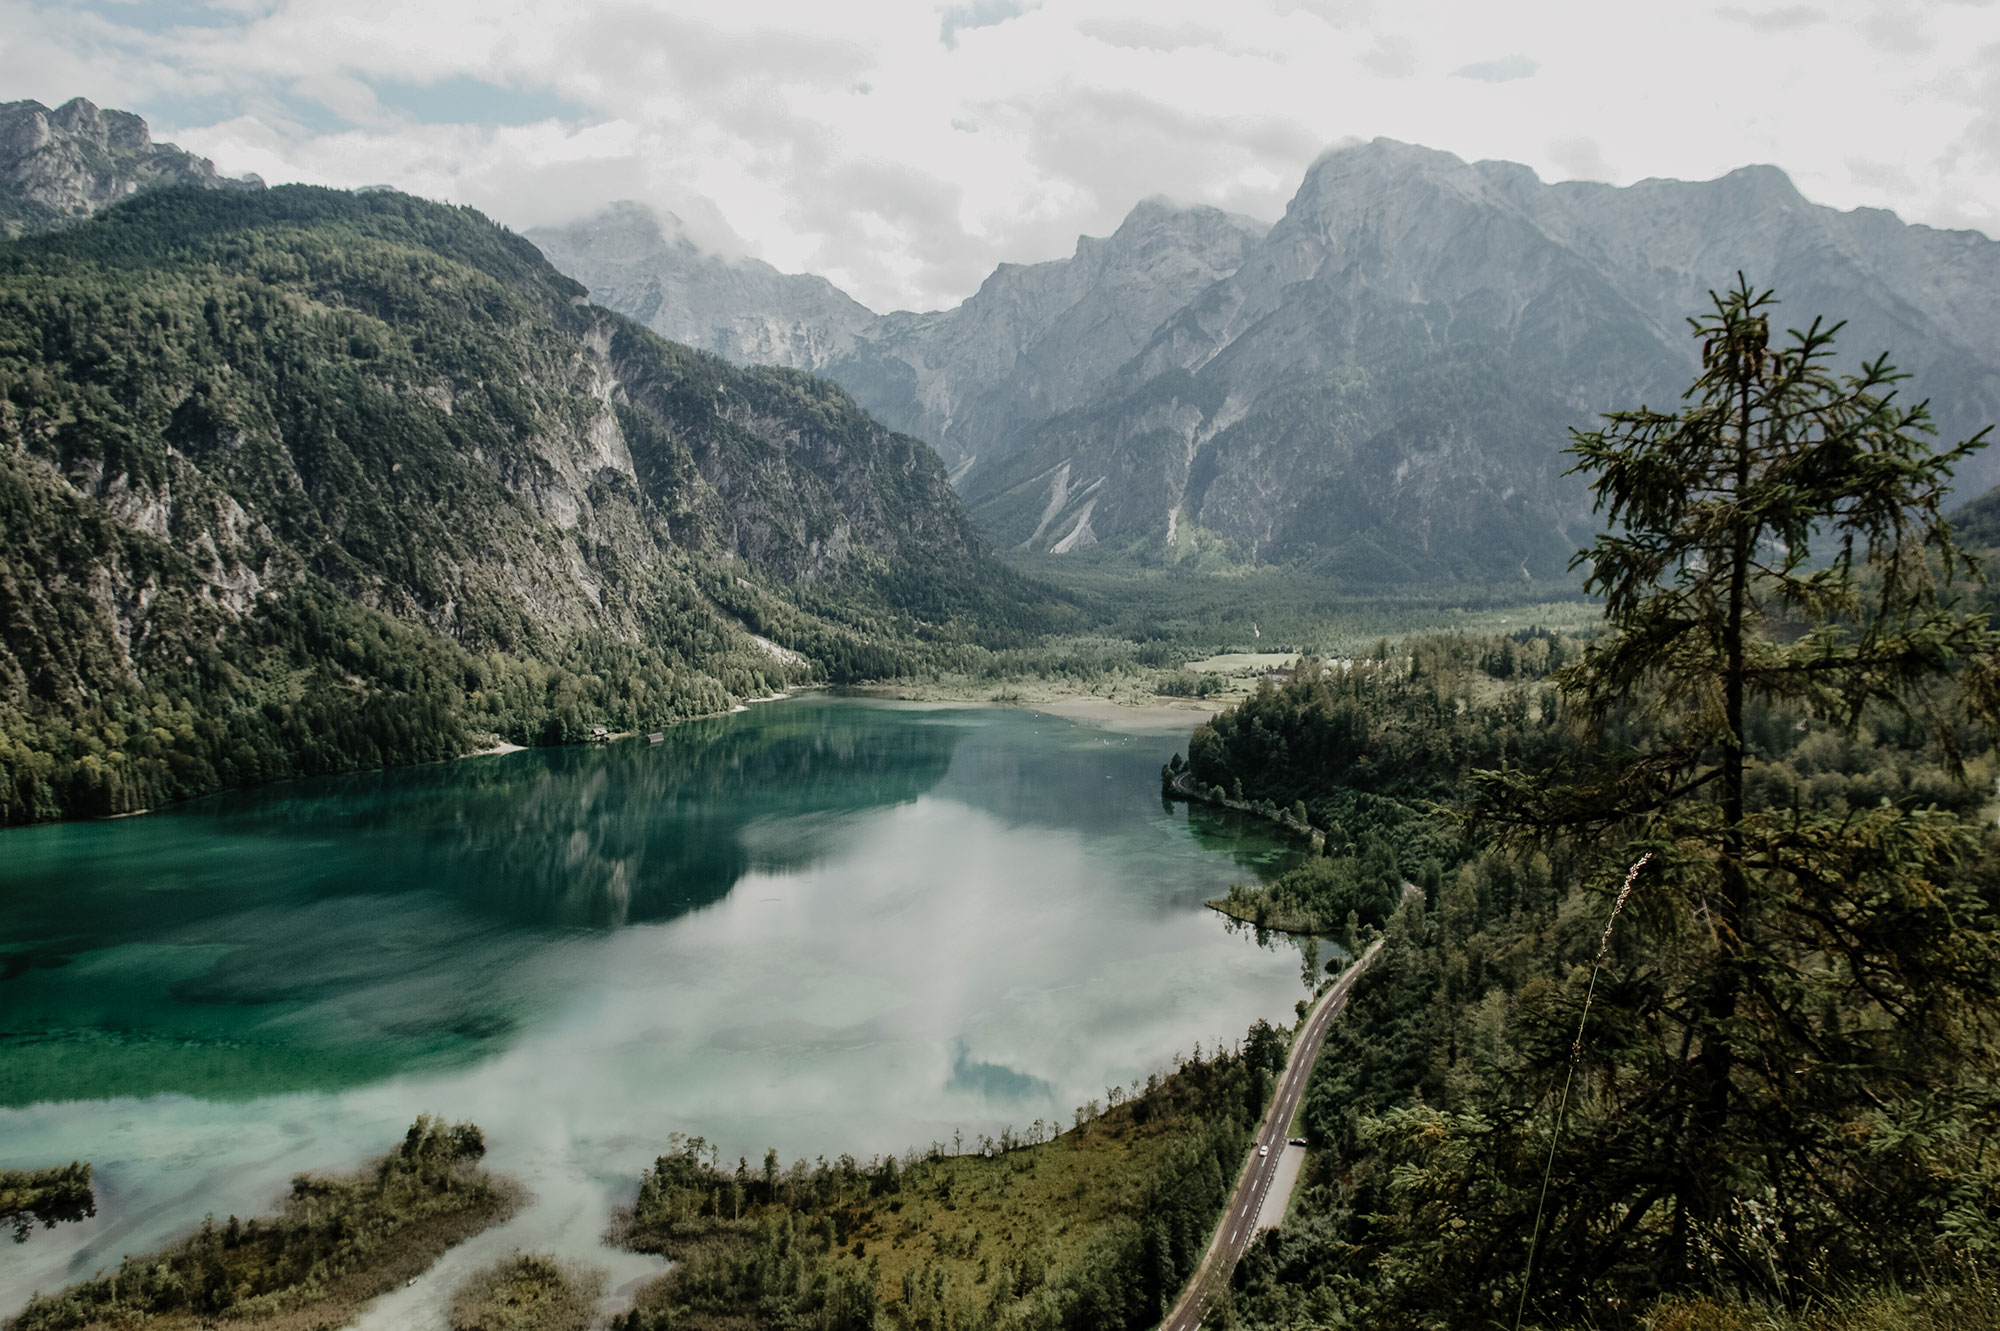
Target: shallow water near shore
[825, 925]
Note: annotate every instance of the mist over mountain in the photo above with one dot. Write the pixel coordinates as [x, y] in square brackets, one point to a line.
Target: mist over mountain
[643, 264]
[1381, 384]
[61, 166]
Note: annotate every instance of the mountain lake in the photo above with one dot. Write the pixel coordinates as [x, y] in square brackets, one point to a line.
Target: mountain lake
[823, 924]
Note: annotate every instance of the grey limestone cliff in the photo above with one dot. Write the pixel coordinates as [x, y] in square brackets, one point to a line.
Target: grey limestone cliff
[1034, 340]
[61, 166]
[1384, 386]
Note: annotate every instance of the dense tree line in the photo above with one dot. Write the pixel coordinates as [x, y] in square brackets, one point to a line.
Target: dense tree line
[1372, 752]
[1433, 1100]
[313, 684]
[47, 1197]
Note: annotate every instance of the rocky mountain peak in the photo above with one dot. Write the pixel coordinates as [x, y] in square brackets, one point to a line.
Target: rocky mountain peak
[59, 167]
[115, 131]
[1159, 215]
[1221, 238]
[632, 230]
[1384, 385]
[1372, 167]
[1763, 186]
[1383, 381]
[1038, 337]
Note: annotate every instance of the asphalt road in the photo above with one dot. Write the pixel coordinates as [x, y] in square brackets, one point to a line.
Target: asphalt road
[1239, 1223]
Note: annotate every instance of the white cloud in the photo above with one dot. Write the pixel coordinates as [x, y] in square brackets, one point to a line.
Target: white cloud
[1898, 28]
[903, 150]
[1392, 57]
[1581, 158]
[1504, 70]
[1785, 19]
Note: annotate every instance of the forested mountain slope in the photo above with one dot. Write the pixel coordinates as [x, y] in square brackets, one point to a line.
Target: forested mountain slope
[299, 480]
[1978, 523]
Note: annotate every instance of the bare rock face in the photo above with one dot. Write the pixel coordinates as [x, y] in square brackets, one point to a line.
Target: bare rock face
[1381, 384]
[59, 167]
[1040, 339]
[1035, 340]
[1383, 387]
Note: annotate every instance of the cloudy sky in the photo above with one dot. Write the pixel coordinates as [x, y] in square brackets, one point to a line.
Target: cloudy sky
[903, 149]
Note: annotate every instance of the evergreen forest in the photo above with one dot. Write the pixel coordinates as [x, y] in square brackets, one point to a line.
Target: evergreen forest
[1694, 1024]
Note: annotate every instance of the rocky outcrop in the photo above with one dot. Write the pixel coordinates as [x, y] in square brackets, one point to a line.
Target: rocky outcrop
[59, 167]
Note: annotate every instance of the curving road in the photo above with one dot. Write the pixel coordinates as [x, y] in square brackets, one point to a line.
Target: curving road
[1239, 1223]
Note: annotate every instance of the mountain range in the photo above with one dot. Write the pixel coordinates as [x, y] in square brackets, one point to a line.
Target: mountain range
[1378, 386]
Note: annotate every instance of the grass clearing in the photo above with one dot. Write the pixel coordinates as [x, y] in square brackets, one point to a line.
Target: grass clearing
[528, 1292]
[1229, 663]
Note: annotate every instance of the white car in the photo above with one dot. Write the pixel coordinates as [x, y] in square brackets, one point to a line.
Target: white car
[1265, 1149]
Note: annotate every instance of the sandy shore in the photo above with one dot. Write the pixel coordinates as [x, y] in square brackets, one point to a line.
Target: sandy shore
[1177, 716]
[1131, 713]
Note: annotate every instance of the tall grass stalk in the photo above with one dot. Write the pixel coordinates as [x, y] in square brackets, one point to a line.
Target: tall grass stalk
[1569, 1077]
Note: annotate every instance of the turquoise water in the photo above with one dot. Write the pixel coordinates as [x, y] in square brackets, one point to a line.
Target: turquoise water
[823, 925]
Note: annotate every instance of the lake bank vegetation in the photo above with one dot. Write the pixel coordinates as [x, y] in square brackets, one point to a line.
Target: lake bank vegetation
[48, 1197]
[528, 1292]
[340, 1241]
[1091, 1229]
[1365, 756]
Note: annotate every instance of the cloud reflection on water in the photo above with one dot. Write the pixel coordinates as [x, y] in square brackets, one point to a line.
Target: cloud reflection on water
[975, 928]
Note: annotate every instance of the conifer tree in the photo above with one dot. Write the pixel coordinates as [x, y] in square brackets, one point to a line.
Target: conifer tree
[1796, 1027]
